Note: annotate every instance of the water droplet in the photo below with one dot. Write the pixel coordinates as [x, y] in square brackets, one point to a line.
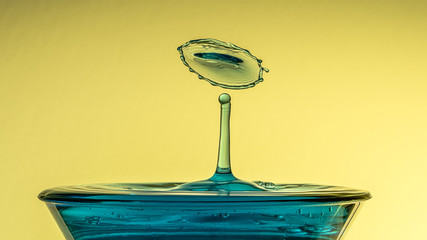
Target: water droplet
[224, 98]
[224, 64]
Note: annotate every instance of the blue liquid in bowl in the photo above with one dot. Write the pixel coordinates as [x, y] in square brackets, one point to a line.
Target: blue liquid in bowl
[170, 211]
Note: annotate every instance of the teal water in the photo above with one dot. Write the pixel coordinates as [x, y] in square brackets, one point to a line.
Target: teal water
[212, 220]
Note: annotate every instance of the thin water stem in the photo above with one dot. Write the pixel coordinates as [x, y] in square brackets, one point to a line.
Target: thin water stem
[223, 165]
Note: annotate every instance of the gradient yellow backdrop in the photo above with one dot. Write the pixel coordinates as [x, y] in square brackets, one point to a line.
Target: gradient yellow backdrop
[94, 91]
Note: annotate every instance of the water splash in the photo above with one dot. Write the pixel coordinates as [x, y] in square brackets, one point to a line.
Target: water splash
[222, 64]
[221, 207]
[223, 180]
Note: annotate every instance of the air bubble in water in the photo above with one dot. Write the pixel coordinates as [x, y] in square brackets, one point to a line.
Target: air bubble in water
[92, 219]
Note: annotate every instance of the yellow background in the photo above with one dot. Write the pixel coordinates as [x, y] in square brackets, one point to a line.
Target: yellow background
[94, 91]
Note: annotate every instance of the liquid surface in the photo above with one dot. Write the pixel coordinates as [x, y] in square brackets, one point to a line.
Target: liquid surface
[123, 193]
[222, 64]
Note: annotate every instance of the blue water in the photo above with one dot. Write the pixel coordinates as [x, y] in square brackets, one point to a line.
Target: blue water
[214, 220]
[179, 211]
[219, 56]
